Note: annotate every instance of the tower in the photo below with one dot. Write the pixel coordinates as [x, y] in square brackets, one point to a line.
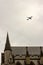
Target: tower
[41, 56]
[7, 51]
[7, 57]
[27, 57]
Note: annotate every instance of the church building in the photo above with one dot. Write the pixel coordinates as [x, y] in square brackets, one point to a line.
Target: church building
[21, 55]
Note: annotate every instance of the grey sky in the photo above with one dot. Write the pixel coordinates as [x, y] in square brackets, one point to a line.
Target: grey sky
[13, 15]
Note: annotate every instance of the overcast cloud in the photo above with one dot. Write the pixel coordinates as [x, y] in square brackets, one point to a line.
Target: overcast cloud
[13, 15]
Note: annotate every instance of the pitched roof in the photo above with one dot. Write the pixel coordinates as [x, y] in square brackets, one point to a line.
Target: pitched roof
[22, 50]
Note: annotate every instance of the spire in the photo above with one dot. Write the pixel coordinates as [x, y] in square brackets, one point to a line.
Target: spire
[41, 53]
[7, 45]
[27, 54]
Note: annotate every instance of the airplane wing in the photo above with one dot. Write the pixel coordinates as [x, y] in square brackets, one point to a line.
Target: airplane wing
[29, 18]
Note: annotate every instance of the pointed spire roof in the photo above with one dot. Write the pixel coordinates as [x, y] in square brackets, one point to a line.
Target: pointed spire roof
[7, 45]
[27, 54]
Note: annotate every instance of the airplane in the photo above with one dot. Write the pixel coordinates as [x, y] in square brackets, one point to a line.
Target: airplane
[29, 18]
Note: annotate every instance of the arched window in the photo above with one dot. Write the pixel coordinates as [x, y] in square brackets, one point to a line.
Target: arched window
[38, 62]
[18, 63]
[32, 63]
